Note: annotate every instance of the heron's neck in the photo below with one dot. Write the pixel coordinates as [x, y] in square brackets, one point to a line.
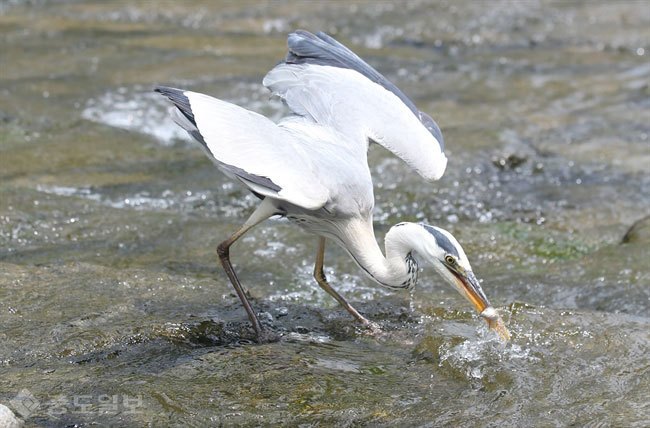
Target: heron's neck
[398, 269]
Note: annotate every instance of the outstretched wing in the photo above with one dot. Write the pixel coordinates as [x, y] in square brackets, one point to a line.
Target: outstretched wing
[323, 80]
[249, 147]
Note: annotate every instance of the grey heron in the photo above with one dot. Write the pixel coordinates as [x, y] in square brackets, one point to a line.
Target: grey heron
[311, 167]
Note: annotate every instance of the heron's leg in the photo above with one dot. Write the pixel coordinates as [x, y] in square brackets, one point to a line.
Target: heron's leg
[319, 275]
[261, 213]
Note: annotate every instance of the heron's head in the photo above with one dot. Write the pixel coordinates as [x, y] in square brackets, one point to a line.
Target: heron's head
[443, 252]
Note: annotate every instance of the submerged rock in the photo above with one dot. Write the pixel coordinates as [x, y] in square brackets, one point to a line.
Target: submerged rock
[8, 419]
[639, 232]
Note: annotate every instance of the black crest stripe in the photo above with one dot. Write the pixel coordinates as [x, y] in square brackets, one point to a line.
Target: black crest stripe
[442, 240]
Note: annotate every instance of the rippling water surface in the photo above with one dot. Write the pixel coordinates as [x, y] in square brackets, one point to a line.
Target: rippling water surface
[109, 218]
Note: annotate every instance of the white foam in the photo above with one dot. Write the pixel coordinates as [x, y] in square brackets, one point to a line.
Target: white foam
[135, 110]
[138, 201]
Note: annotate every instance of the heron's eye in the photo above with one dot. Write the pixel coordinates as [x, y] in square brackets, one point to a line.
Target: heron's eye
[450, 260]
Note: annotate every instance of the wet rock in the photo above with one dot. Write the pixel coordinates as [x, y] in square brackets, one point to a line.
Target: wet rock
[8, 419]
[508, 161]
[206, 333]
[639, 232]
[302, 330]
[210, 333]
[428, 349]
[265, 317]
[281, 312]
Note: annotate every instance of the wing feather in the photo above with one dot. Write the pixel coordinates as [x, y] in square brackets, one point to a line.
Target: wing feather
[323, 80]
[249, 147]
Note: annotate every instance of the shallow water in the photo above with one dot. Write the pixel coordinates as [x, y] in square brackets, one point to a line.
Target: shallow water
[109, 218]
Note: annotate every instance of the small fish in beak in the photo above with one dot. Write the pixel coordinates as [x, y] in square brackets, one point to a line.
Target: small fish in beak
[495, 322]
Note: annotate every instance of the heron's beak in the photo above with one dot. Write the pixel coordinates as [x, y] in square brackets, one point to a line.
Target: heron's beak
[468, 286]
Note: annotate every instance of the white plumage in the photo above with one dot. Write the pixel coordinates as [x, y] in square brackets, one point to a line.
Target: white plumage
[360, 109]
[312, 166]
[249, 141]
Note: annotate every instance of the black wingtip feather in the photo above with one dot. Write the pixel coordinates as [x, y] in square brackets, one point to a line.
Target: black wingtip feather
[177, 96]
[323, 49]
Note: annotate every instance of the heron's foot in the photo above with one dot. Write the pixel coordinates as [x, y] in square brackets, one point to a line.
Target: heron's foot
[371, 327]
[267, 336]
